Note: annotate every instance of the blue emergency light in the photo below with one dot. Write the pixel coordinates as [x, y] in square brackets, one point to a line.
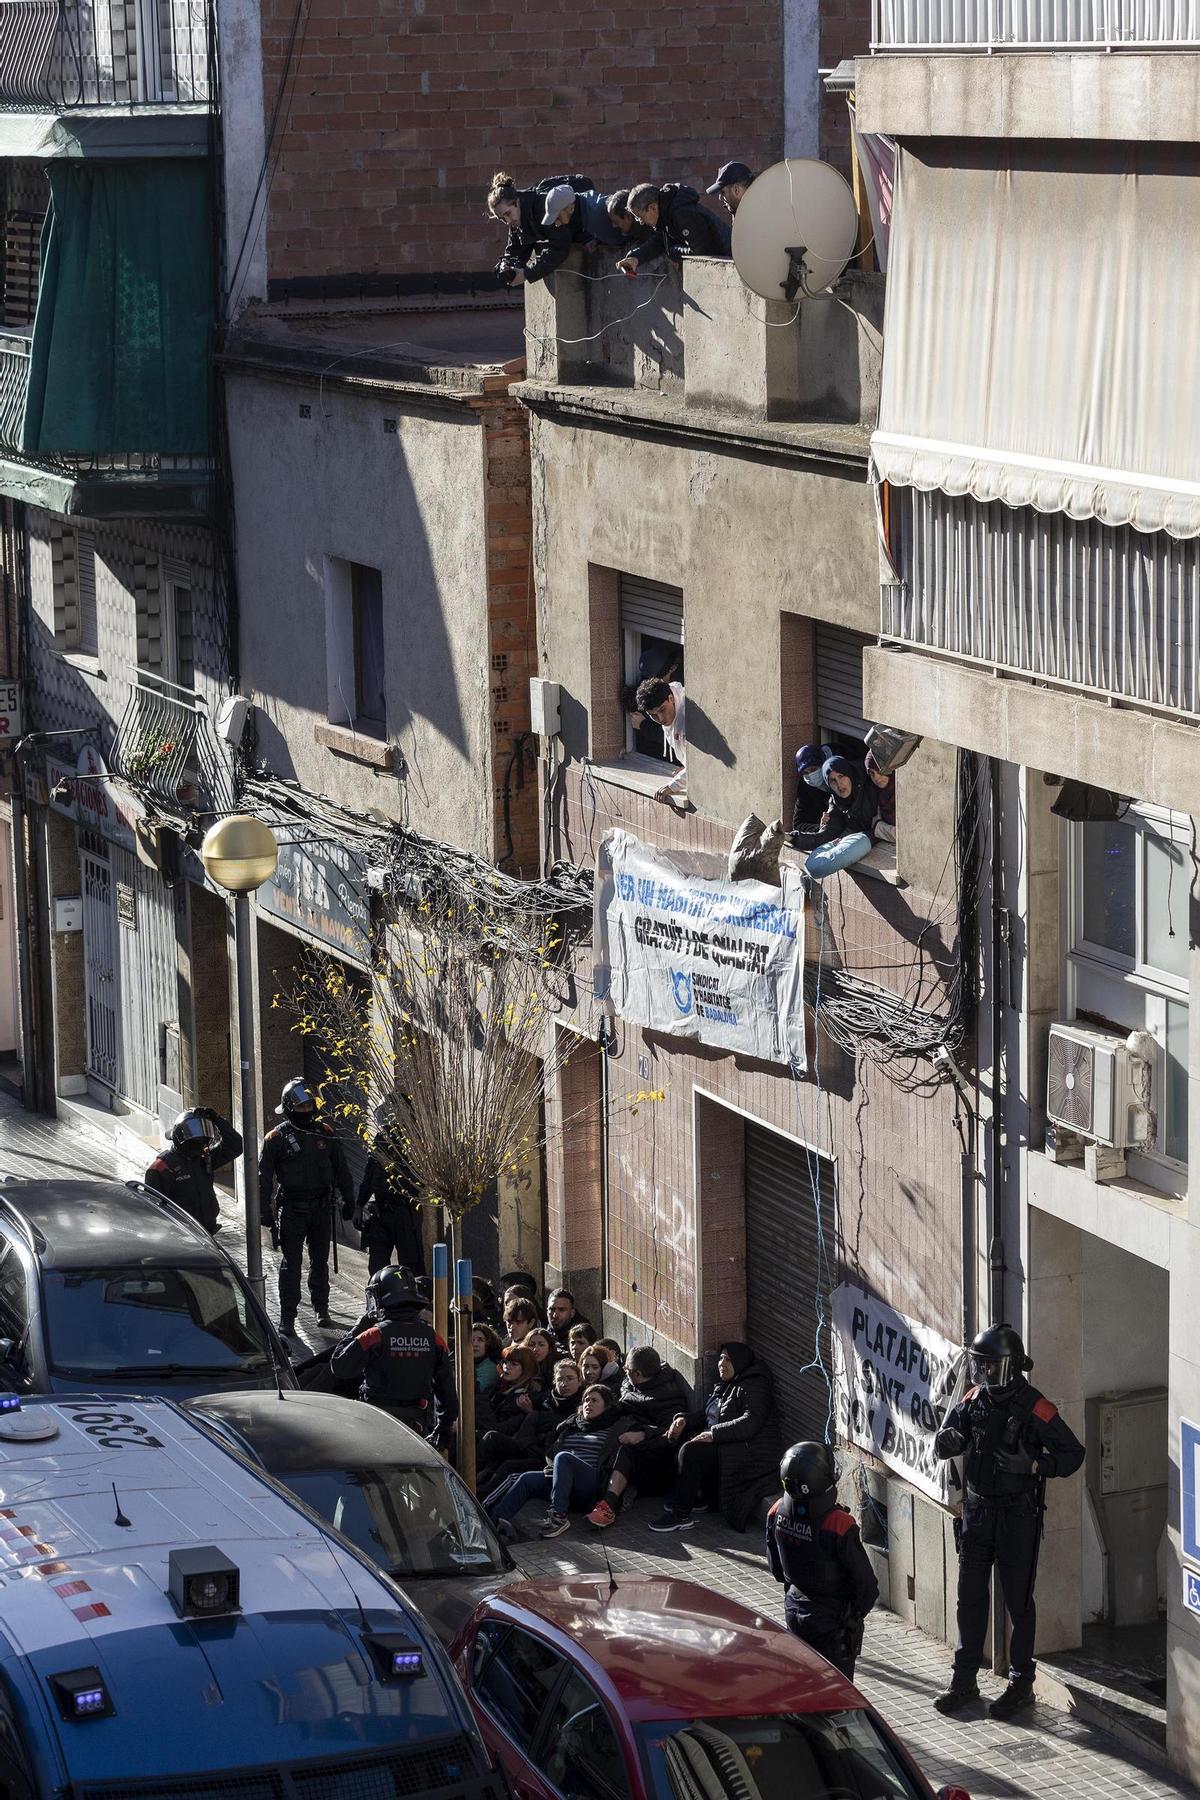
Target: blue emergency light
[407, 1662]
[81, 1694]
[396, 1657]
[10, 1403]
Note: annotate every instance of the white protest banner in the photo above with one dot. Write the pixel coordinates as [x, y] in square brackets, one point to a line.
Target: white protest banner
[894, 1380]
[682, 949]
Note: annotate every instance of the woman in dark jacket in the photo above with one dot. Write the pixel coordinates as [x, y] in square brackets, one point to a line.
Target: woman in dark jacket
[575, 1461]
[845, 833]
[511, 1453]
[731, 1450]
[534, 249]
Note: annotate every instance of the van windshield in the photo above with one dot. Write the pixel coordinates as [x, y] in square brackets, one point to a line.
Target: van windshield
[413, 1520]
[155, 1322]
[785, 1756]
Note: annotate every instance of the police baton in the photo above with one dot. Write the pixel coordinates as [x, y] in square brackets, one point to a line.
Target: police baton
[1037, 1540]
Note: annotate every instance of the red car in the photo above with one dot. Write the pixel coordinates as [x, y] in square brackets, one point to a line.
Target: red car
[658, 1689]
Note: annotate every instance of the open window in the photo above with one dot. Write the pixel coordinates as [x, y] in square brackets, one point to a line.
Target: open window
[651, 622]
[1128, 939]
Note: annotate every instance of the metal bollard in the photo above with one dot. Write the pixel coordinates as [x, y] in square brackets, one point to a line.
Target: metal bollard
[464, 1320]
[441, 1291]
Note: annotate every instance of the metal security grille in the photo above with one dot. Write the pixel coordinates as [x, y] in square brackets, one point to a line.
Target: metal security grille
[100, 970]
[791, 1267]
[149, 993]
[839, 681]
[652, 607]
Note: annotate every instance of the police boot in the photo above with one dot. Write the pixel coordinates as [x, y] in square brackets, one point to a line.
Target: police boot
[963, 1690]
[1015, 1698]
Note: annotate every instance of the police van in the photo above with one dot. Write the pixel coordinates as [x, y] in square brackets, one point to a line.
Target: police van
[173, 1625]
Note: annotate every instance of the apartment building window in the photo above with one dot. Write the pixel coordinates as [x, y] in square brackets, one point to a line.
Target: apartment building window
[838, 686]
[651, 622]
[179, 657]
[370, 690]
[73, 570]
[1127, 966]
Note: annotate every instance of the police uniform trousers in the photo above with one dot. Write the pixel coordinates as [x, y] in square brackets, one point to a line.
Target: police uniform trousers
[390, 1241]
[1002, 1533]
[304, 1224]
[834, 1646]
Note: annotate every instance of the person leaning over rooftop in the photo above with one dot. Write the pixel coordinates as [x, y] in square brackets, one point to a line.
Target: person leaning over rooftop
[666, 703]
[679, 225]
[589, 217]
[733, 178]
[533, 249]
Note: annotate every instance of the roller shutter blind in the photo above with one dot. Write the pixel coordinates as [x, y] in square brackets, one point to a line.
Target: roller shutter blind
[839, 680]
[791, 1266]
[652, 607]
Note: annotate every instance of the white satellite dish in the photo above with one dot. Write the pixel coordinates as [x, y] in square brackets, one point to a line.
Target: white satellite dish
[794, 230]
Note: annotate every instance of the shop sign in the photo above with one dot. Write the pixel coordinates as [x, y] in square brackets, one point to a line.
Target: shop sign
[894, 1381]
[321, 889]
[92, 798]
[126, 906]
[10, 711]
[683, 950]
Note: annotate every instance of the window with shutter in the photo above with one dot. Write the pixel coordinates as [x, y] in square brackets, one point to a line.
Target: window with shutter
[839, 683]
[652, 638]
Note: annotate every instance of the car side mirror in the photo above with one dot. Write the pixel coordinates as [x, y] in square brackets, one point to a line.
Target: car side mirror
[953, 1793]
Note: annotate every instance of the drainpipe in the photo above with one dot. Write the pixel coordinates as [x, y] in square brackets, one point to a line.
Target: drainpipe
[1000, 948]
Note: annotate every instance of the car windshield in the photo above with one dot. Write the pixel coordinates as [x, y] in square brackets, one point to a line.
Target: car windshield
[793, 1756]
[414, 1521]
[163, 1323]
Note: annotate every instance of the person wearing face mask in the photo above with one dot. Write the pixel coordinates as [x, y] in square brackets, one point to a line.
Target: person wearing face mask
[844, 836]
[574, 1459]
[1012, 1441]
[729, 1453]
[529, 1442]
[812, 796]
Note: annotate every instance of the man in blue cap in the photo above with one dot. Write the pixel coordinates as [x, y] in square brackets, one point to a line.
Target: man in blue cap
[733, 178]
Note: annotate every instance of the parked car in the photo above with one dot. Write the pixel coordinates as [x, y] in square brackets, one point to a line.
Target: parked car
[175, 1624]
[109, 1285]
[382, 1486]
[651, 1688]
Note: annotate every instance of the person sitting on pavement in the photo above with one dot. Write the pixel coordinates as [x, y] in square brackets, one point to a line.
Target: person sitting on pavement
[814, 1548]
[201, 1141]
[885, 786]
[399, 1362]
[652, 1395]
[666, 703]
[844, 836]
[385, 1212]
[521, 1317]
[591, 1365]
[613, 1372]
[812, 796]
[733, 179]
[514, 1396]
[679, 225]
[561, 1315]
[485, 1308]
[533, 250]
[574, 1460]
[545, 1351]
[580, 1336]
[485, 1349]
[728, 1453]
[515, 1281]
[527, 1444]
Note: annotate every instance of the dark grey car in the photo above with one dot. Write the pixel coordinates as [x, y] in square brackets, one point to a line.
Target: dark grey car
[382, 1487]
[104, 1285]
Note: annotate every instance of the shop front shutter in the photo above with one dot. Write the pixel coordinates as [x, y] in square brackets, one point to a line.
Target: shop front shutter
[839, 681]
[791, 1268]
[652, 607]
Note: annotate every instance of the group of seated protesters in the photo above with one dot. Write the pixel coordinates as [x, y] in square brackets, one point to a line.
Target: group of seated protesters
[563, 1419]
[546, 221]
[843, 807]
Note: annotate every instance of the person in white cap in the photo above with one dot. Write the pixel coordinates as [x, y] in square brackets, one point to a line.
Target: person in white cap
[590, 218]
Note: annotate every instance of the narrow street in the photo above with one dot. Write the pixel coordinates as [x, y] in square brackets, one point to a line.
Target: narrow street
[1045, 1753]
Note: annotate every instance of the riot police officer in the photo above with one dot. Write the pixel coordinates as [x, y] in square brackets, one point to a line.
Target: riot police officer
[201, 1141]
[301, 1164]
[398, 1359]
[386, 1213]
[813, 1547]
[1012, 1442]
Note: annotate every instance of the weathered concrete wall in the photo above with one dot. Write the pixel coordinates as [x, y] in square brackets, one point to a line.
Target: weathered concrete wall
[1135, 96]
[410, 502]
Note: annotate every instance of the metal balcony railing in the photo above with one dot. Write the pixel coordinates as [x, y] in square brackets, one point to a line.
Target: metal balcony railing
[166, 749]
[14, 384]
[991, 25]
[71, 53]
[1100, 609]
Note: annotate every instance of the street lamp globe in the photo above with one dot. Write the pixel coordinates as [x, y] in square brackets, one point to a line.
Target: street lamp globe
[239, 853]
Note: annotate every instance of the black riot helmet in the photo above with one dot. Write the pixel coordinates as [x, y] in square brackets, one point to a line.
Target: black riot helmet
[193, 1133]
[391, 1290]
[808, 1471]
[297, 1102]
[997, 1358]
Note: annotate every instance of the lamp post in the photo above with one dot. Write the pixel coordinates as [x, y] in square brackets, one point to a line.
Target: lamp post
[239, 854]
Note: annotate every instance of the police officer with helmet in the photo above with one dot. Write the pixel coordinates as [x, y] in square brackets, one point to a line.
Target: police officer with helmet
[813, 1547]
[1012, 1441]
[201, 1141]
[398, 1359]
[301, 1165]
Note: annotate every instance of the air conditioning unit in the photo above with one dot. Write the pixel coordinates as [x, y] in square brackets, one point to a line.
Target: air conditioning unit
[1098, 1085]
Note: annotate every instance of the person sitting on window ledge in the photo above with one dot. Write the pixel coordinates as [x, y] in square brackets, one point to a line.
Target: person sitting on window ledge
[885, 786]
[666, 703]
[812, 796]
[845, 834]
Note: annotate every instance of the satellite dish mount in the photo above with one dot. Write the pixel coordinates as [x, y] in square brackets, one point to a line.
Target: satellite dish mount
[797, 276]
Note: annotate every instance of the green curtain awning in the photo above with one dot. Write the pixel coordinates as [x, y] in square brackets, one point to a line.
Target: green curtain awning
[120, 354]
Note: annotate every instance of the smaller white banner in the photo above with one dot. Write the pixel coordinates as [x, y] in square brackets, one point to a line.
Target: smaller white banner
[894, 1381]
[683, 950]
